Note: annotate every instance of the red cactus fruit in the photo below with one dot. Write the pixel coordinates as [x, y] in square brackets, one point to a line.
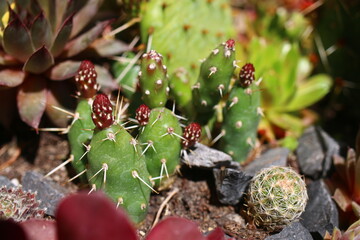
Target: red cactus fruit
[86, 80]
[142, 114]
[102, 111]
[230, 43]
[192, 134]
[247, 75]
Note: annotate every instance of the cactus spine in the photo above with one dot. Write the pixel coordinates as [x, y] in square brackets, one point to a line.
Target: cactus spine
[116, 164]
[241, 116]
[276, 197]
[213, 82]
[161, 141]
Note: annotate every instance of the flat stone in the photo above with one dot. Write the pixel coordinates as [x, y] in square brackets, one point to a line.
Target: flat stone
[230, 184]
[203, 156]
[294, 231]
[315, 152]
[320, 214]
[272, 157]
[48, 192]
[4, 181]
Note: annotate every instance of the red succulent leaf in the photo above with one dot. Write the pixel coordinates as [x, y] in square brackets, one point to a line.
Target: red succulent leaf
[39, 229]
[17, 40]
[11, 77]
[142, 114]
[175, 228]
[92, 217]
[102, 111]
[247, 75]
[39, 61]
[62, 36]
[84, 40]
[64, 70]
[31, 100]
[11, 230]
[86, 80]
[191, 135]
[41, 33]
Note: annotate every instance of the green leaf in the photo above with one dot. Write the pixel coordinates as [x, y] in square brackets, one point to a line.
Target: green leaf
[31, 100]
[17, 41]
[62, 37]
[11, 77]
[40, 31]
[286, 121]
[310, 92]
[84, 40]
[39, 62]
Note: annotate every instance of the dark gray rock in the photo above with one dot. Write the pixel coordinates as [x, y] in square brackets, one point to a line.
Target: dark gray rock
[272, 157]
[230, 184]
[295, 231]
[48, 192]
[320, 214]
[4, 181]
[315, 152]
[205, 157]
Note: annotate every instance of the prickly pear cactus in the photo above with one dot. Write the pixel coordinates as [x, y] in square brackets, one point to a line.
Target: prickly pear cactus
[161, 141]
[116, 164]
[214, 79]
[241, 116]
[276, 197]
[19, 205]
[153, 80]
[185, 31]
[81, 130]
[180, 90]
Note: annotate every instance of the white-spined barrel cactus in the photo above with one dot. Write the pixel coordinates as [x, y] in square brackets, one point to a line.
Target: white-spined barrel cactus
[276, 197]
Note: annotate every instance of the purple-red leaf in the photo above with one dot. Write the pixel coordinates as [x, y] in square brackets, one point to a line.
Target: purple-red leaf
[39, 229]
[31, 100]
[107, 47]
[11, 77]
[40, 31]
[11, 230]
[342, 199]
[104, 79]
[17, 41]
[39, 61]
[64, 70]
[175, 228]
[85, 15]
[92, 217]
[84, 40]
[62, 36]
[217, 234]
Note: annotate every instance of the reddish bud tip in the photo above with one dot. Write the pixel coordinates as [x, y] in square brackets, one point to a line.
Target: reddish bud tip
[192, 134]
[230, 43]
[102, 111]
[247, 75]
[142, 114]
[86, 79]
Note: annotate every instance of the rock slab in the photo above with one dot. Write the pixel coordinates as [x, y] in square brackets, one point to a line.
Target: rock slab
[295, 231]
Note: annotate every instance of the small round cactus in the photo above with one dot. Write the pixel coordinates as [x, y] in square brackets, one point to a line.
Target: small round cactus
[276, 197]
[19, 205]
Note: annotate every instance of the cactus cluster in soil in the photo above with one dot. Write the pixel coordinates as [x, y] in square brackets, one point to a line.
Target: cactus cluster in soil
[276, 197]
[19, 205]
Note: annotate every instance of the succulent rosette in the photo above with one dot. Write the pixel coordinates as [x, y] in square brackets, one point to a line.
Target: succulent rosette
[38, 40]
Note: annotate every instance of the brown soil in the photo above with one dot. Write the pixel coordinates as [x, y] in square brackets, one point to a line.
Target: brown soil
[191, 195]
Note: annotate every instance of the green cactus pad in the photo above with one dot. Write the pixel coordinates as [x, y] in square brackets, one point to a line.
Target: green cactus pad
[213, 82]
[276, 197]
[163, 131]
[116, 148]
[153, 80]
[185, 31]
[80, 134]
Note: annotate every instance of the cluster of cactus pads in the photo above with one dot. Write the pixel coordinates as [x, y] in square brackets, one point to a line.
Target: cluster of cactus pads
[126, 165]
[276, 197]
